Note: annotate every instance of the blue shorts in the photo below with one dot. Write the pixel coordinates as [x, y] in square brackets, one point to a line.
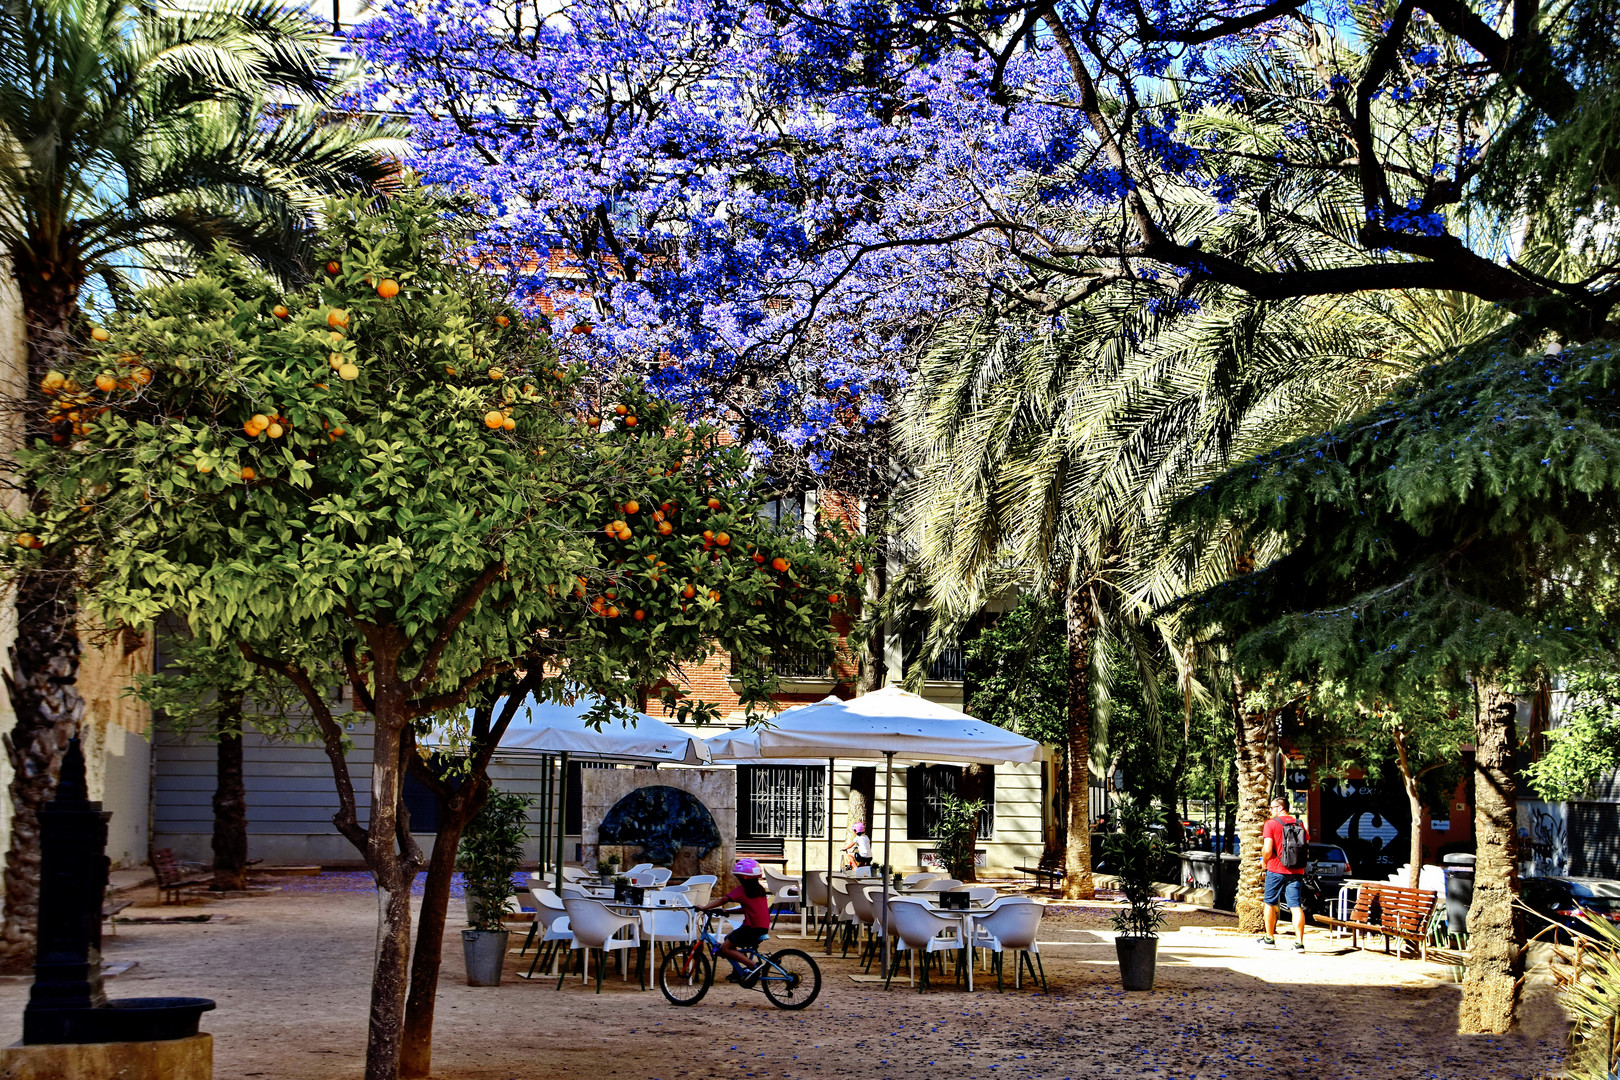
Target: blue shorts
[1291, 886]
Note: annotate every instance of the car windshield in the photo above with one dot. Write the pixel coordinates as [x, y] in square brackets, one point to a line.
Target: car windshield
[1598, 905]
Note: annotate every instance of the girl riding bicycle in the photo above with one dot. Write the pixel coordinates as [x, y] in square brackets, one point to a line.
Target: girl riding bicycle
[756, 907]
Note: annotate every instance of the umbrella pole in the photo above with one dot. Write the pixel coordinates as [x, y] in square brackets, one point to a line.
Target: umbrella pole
[826, 825]
[888, 799]
[544, 855]
[562, 812]
[804, 847]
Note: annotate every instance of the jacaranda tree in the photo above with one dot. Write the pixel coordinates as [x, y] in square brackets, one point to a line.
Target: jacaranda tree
[388, 470]
[769, 203]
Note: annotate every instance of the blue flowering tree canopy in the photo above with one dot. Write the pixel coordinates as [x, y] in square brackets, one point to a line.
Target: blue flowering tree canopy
[1470, 525]
[764, 206]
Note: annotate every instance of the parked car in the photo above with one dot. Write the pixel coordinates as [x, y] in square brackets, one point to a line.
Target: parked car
[1558, 902]
[1328, 862]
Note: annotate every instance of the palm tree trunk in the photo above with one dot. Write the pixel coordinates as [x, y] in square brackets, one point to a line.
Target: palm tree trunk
[1495, 928]
[42, 682]
[1079, 628]
[230, 802]
[1253, 797]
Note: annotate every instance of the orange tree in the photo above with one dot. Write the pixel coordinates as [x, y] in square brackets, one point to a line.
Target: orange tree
[388, 468]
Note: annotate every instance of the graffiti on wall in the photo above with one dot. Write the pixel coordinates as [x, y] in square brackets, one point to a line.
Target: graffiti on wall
[1543, 839]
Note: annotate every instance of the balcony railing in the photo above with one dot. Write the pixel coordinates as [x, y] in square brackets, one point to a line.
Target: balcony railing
[949, 666]
[794, 665]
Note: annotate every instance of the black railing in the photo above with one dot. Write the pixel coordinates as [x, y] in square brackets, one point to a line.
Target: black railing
[949, 666]
[794, 665]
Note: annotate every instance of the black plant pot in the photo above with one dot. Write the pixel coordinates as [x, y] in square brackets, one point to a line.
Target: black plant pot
[1137, 958]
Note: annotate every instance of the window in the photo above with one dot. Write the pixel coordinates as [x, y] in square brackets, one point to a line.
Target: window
[785, 513]
[926, 785]
[421, 804]
[769, 797]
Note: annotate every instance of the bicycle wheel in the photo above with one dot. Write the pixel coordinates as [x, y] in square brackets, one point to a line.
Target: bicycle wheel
[792, 980]
[685, 975]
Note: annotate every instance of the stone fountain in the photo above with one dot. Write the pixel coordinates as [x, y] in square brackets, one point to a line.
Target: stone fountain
[71, 1031]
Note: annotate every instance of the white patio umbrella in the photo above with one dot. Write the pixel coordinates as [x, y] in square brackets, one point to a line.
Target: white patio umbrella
[887, 724]
[548, 729]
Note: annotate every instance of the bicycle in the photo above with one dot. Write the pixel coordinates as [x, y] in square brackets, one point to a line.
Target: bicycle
[791, 979]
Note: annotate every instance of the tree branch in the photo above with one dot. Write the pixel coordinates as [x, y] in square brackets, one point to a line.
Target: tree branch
[452, 622]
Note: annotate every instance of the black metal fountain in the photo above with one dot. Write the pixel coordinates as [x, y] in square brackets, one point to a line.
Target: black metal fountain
[68, 1004]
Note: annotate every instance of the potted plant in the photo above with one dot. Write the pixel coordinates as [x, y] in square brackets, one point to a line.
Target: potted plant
[1134, 851]
[491, 852]
[606, 868]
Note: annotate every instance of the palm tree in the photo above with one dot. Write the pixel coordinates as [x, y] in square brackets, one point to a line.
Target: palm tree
[130, 140]
[1046, 453]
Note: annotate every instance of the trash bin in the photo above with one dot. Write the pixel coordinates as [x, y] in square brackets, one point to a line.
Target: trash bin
[1226, 881]
[1198, 869]
[1459, 890]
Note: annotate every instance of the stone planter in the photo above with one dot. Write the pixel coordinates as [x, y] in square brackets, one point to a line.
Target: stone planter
[485, 952]
[1137, 959]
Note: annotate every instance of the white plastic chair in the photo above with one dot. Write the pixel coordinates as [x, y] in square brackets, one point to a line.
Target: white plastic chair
[866, 903]
[650, 878]
[550, 914]
[841, 917]
[595, 927]
[673, 921]
[574, 873]
[815, 891]
[700, 887]
[916, 929]
[912, 881]
[784, 890]
[638, 868]
[943, 884]
[978, 894]
[1013, 924]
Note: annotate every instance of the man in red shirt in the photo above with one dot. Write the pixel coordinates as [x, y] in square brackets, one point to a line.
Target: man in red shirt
[1284, 882]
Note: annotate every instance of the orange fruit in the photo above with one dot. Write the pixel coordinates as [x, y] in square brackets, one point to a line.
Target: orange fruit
[612, 612]
[53, 381]
[638, 615]
[274, 431]
[259, 420]
[333, 335]
[714, 595]
[337, 317]
[708, 534]
[714, 504]
[629, 421]
[779, 564]
[448, 370]
[280, 311]
[98, 334]
[347, 372]
[496, 373]
[204, 467]
[594, 421]
[27, 540]
[493, 419]
[758, 557]
[581, 328]
[832, 598]
[332, 268]
[859, 568]
[387, 288]
[632, 507]
[106, 383]
[337, 433]
[722, 539]
[509, 424]
[248, 473]
[620, 410]
[665, 528]
[502, 320]
[689, 592]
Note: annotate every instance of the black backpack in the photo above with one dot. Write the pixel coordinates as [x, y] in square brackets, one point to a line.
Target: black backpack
[1296, 850]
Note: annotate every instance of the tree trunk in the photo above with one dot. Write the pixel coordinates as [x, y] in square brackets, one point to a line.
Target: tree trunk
[1414, 802]
[1495, 928]
[42, 682]
[1077, 882]
[1253, 798]
[972, 789]
[230, 802]
[416, 1054]
[394, 871]
[1171, 793]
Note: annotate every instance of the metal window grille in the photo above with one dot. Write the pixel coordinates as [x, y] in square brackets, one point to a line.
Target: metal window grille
[949, 666]
[934, 782]
[774, 792]
[794, 665]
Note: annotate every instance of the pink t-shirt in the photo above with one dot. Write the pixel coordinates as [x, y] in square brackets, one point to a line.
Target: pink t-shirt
[756, 909]
[1273, 832]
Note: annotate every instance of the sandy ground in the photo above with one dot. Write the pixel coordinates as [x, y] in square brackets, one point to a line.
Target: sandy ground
[290, 972]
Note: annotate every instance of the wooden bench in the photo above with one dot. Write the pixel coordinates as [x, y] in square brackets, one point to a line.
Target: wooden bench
[1050, 868]
[172, 875]
[1390, 911]
[771, 849]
